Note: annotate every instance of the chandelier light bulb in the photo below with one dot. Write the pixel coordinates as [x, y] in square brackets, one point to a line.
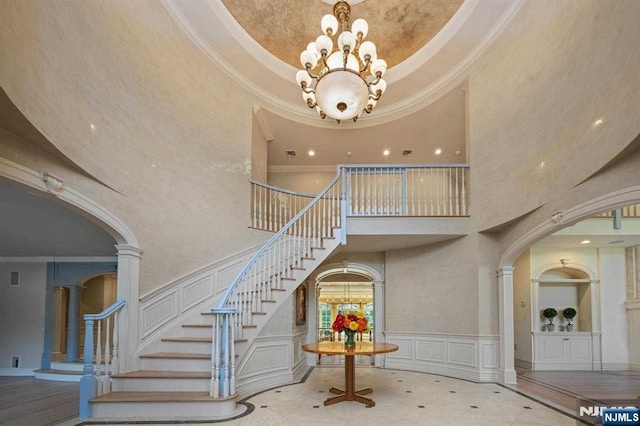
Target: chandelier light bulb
[329, 24]
[345, 82]
[360, 28]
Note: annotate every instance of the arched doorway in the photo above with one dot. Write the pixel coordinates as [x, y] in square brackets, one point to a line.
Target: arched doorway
[345, 286]
[558, 221]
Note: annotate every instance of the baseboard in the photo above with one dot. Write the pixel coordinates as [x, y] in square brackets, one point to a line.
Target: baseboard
[615, 366]
[470, 374]
[634, 366]
[522, 363]
[17, 372]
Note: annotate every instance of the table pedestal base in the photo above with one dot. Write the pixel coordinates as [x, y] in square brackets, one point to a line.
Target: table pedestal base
[350, 394]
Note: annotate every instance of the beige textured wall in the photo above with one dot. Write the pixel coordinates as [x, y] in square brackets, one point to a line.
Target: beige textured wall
[534, 99]
[433, 289]
[136, 104]
[258, 152]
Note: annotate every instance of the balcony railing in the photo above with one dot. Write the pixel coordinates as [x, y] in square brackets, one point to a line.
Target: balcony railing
[374, 190]
[627, 211]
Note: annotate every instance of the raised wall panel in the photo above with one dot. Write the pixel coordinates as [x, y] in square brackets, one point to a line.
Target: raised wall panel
[430, 350]
[462, 354]
[161, 311]
[196, 292]
[266, 358]
[405, 347]
[489, 352]
[226, 274]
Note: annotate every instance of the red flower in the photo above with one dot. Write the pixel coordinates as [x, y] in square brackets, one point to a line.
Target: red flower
[339, 323]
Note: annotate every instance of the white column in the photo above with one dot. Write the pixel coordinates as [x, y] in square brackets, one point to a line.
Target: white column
[506, 371]
[128, 289]
[596, 328]
[312, 321]
[378, 316]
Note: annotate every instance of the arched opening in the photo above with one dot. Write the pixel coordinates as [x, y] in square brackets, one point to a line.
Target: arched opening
[342, 287]
[548, 264]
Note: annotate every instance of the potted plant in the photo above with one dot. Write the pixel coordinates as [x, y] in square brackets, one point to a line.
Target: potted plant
[569, 314]
[550, 314]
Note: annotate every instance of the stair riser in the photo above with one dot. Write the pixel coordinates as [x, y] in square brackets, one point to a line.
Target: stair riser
[158, 385]
[186, 347]
[67, 366]
[165, 364]
[167, 410]
[197, 332]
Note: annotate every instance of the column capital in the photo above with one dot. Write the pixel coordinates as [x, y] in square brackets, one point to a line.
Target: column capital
[505, 270]
[126, 249]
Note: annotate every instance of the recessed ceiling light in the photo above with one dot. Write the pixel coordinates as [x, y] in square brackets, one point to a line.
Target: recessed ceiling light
[616, 241]
[597, 122]
[385, 152]
[311, 153]
[458, 153]
[585, 242]
[437, 151]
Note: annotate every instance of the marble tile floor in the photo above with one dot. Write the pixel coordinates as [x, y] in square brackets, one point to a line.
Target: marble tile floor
[402, 398]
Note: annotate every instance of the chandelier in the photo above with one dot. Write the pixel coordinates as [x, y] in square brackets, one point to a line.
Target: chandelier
[345, 83]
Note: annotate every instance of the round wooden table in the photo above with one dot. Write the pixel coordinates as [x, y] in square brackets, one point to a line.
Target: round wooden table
[337, 348]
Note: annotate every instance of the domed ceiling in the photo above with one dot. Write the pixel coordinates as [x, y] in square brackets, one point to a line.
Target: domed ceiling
[429, 46]
[399, 28]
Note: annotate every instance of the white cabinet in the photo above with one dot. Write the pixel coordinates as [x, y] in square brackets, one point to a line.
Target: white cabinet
[562, 351]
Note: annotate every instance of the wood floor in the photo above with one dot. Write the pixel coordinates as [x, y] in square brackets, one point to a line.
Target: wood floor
[26, 401]
[568, 390]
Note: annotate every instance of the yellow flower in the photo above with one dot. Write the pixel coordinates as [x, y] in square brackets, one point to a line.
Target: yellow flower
[353, 326]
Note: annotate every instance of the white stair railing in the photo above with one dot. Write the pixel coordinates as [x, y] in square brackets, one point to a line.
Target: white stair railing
[417, 190]
[428, 190]
[267, 271]
[97, 371]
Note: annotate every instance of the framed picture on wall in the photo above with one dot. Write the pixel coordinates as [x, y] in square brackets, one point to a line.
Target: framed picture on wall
[301, 305]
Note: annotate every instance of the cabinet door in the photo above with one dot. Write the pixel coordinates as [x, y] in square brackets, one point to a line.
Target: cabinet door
[579, 348]
[551, 349]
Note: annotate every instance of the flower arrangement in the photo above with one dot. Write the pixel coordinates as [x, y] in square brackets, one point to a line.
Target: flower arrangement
[351, 323]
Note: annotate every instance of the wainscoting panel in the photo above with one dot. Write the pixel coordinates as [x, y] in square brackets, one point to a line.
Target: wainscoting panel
[430, 350]
[196, 292]
[463, 353]
[163, 310]
[270, 362]
[462, 356]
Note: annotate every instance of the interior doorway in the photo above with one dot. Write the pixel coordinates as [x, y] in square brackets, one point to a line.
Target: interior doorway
[342, 293]
[98, 293]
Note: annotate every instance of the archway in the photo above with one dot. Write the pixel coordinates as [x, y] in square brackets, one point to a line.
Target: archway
[557, 221]
[128, 252]
[347, 270]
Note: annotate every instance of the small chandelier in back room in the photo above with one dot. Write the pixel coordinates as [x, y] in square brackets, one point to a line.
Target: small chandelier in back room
[346, 82]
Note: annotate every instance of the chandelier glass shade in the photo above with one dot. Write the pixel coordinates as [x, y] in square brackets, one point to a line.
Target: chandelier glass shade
[345, 83]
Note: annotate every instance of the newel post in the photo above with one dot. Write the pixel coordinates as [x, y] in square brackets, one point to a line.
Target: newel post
[223, 374]
[88, 383]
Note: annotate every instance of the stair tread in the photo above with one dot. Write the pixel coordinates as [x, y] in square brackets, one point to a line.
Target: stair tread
[176, 355]
[157, 374]
[198, 325]
[153, 397]
[188, 339]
